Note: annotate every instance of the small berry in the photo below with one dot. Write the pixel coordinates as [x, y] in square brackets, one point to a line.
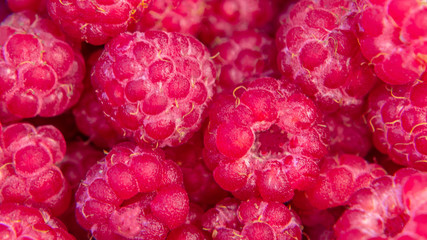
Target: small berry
[155, 86]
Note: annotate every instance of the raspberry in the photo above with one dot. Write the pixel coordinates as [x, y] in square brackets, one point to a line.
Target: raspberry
[349, 134]
[40, 74]
[182, 16]
[132, 193]
[319, 51]
[198, 179]
[264, 139]
[223, 17]
[397, 116]
[381, 211]
[251, 219]
[21, 222]
[339, 178]
[155, 85]
[242, 55]
[393, 36]
[28, 174]
[95, 22]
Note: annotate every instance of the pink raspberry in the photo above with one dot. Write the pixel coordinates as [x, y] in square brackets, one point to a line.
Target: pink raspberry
[40, 73]
[251, 219]
[223, 17]
[192, 229]
[264, 139]
[339, 178]
[349, 134]
[155, 86]
[95, 22]
[182, 16]
[393, 36]
[244, 54]
[198, 179]
[397, 116]
[21, 222]
[392, 207]
[134, 193]
[319, 51]
[28, 174]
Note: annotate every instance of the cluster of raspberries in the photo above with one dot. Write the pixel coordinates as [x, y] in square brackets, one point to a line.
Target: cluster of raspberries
[213, 119]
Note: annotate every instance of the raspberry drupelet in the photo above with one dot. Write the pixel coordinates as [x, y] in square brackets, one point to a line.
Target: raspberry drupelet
[397, 117]
[318, 50]
[40, 73]
[155, 86]
[28, 174]
[393, 37]
[392, 207]
[22, 222]
[253, 219]
[95, 22]
[133, 193]
[265, 138]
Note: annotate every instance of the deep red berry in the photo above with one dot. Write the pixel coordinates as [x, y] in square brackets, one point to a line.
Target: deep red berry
[155, 86]
[40, 73]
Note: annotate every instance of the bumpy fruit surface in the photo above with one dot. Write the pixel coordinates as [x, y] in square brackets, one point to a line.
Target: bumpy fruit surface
[392, 207]
[264, 139]
[28, 175]
[133, 193]
[244, 54]
[21, 222]
[339, 178]
[40, 73]
[393, 36]
[155, 86]
[182, 16]
[397, 117]
[319, 51]
[251, 219]
[95, 22]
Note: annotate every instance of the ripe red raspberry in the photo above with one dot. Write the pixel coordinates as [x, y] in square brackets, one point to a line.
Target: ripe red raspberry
[192, 229]
[244, 54]
[251, 219]
[27, 174]
[155, 86]
[223, 17]
[349, 134]
[182, 16]
[264, 139]
[319, 51]
[397, 118]
[393, 36]
[339, 178]
[40, 74]
[198, 179]
[134, 193]
[21, 222]
[95, 22]
[390, 208]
